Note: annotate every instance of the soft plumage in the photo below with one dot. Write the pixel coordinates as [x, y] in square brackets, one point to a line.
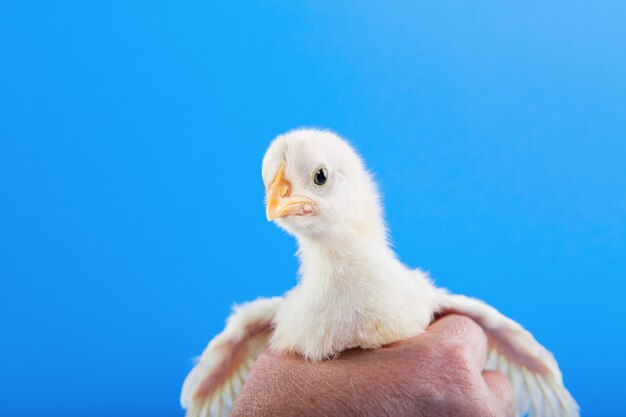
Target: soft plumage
[352, 290]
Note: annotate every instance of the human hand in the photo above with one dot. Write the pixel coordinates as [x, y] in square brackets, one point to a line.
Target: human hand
[438, 373]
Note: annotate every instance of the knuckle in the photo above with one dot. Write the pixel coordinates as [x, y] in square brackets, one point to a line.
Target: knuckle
[455, 369]
[449, 364]
[461, 327]
[484, 410]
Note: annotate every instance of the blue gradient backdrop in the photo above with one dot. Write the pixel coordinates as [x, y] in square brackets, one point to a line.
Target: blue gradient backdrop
[131, 203]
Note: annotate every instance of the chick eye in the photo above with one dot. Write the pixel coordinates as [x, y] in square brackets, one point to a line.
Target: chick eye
[321, 176]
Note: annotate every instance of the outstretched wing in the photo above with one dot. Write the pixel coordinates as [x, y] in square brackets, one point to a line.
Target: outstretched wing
[212, 385]
[532, 370]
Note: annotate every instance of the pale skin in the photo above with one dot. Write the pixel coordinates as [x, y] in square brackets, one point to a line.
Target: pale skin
[438, 373]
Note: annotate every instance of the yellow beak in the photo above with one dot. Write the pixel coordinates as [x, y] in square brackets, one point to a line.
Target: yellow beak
[280, 203]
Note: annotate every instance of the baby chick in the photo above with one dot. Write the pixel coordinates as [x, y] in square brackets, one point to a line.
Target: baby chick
[352, 289]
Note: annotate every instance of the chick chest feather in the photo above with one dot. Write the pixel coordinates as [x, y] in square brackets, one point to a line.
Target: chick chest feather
[344, 302]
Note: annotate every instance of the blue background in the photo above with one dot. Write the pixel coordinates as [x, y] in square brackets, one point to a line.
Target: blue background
[131, 202]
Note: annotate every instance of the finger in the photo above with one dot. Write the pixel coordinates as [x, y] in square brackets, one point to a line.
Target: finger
[501, 390]
[464, 333]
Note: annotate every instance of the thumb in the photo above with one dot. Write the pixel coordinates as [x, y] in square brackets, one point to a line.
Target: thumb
[501, 391]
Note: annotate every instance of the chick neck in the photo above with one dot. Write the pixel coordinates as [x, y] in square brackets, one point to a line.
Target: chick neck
[356, 253]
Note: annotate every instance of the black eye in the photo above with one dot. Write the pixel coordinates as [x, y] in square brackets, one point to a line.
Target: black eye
[321, 176]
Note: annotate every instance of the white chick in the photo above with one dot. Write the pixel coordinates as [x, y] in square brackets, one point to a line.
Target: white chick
[352, 289]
